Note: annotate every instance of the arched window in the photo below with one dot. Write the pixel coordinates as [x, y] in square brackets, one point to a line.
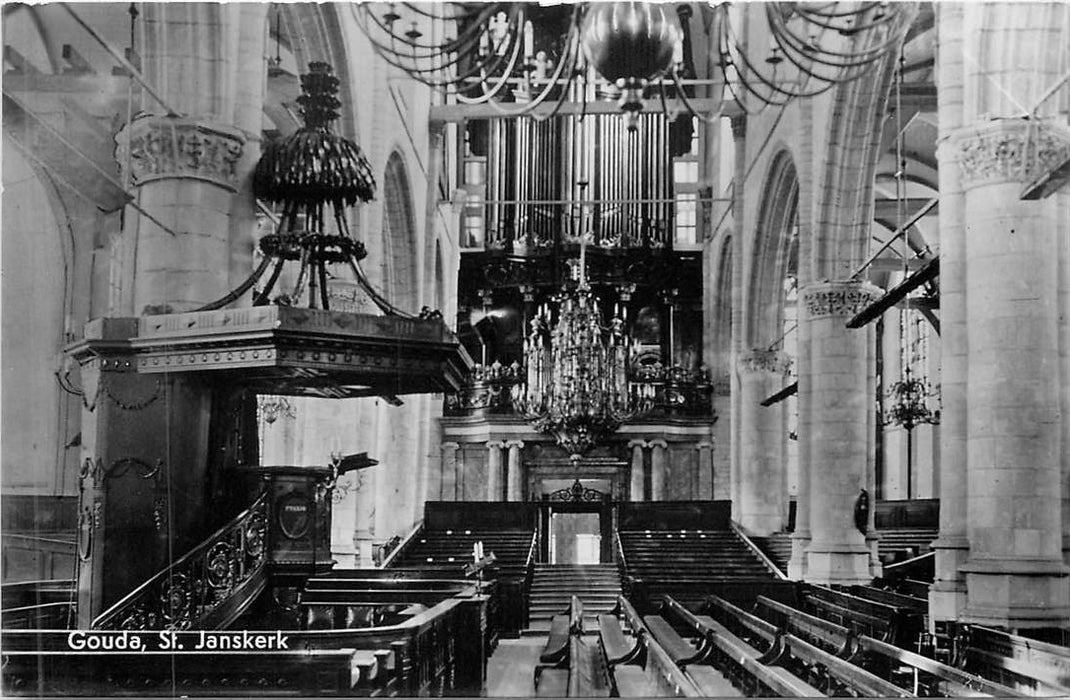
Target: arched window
[399, 237]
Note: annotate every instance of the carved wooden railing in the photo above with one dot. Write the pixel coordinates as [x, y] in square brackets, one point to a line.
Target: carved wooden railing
[207, 587]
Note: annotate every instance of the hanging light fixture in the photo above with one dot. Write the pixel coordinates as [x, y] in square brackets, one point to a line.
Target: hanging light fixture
[515, 57]
[577, 387]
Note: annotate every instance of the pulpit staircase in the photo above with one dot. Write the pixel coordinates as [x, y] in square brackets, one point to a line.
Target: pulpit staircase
[553, 585]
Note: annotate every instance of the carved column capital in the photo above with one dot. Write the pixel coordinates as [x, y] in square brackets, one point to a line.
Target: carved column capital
[772, 361]
[160, 148]
[495, 444]
[845, 298]
[518, 444]
[704, 445]
[637, 443]
[448, 446]
[658, 443]
[1006, 150]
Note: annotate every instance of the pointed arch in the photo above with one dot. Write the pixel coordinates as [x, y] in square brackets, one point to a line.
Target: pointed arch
[772, 256]
[400, 273]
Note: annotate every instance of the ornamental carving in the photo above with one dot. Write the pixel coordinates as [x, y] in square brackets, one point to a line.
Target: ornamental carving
[837, 299]
[772, 361]
[157, 148]
[1008, 150]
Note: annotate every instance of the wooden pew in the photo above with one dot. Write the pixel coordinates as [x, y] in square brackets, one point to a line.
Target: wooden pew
[831, 637]
[752, 629]
[619, 648]
[857, 614]
[897, 600]
[588, 676]
[681, 651]
[740, 662]
[232, 673]
[654, 673]
[1013, 660]
[831, 674]
[556, 649]
[892, 663]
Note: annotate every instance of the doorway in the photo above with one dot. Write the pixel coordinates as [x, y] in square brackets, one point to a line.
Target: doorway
[575, 538]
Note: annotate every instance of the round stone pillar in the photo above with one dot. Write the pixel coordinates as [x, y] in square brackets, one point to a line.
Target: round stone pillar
[1015, 575]
[947, 595]
[763, 450]
[841, 420]
[494, 470]
[515, 480]
[659, 466]
[637, 490]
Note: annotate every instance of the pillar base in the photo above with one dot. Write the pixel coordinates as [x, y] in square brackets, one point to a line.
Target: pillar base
[797, 564]
[846, 565]
[947, 595]
[1017, 593]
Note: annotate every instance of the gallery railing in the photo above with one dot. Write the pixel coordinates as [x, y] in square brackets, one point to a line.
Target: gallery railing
[205, 588]
[668, 391]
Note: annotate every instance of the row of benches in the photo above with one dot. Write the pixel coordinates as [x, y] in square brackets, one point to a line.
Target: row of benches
[838, 660]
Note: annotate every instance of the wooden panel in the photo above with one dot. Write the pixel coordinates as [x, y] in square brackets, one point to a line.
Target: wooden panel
[675, 515]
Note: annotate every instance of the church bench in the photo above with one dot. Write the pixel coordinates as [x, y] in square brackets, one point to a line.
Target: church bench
[891, 662]
[860, 622]
[660, 670]
[830, 636]
[1013, 660]
[754, 630]
[191, 673]
[710, 682]
[619, 648]
[740, 662]
[681, 651]
[831, 674]
[556, 648]
[905, 603]
[587, 673]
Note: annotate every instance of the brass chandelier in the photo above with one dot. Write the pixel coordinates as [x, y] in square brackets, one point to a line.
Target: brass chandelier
[515, 57]
[577, 387]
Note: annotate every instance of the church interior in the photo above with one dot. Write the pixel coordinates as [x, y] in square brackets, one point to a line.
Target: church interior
[536, 350]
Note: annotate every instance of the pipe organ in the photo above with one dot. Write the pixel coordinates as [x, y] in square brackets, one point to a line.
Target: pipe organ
[547, 182]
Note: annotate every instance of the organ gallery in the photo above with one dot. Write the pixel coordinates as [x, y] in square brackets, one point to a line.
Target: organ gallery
[536, 350]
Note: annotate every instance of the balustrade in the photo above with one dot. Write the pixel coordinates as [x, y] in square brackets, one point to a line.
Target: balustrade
[666, 391]
[198, 590]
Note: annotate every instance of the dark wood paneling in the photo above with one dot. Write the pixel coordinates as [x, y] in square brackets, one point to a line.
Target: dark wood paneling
[479, 515]
[675, 515]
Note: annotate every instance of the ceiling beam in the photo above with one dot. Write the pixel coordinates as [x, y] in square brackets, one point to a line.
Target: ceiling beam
[873, 311]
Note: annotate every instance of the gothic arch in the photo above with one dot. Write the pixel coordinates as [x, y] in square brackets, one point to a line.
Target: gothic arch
[400, 271]
[772, 251]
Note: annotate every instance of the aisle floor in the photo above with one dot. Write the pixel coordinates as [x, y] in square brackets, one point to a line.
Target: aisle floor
[511, 668]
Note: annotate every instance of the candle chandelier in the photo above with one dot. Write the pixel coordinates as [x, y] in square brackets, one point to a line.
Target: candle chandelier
[577, 387]
[515, 57]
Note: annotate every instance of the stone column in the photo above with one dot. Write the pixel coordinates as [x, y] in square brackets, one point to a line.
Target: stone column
[637, 492]
[494, 470]
[705, 470]
[515, 490]
[449, 471]
[1015, 575]
[841, 421]
[659, 464]
[763, 449]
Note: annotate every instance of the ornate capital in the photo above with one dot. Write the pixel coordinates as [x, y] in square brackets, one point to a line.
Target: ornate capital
[837, 298]
[450, 446]
[159, 148]
[518, 444]
[773, 361]
[1007, 150]
[659, 443]
[637, 443]
[495, 444]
